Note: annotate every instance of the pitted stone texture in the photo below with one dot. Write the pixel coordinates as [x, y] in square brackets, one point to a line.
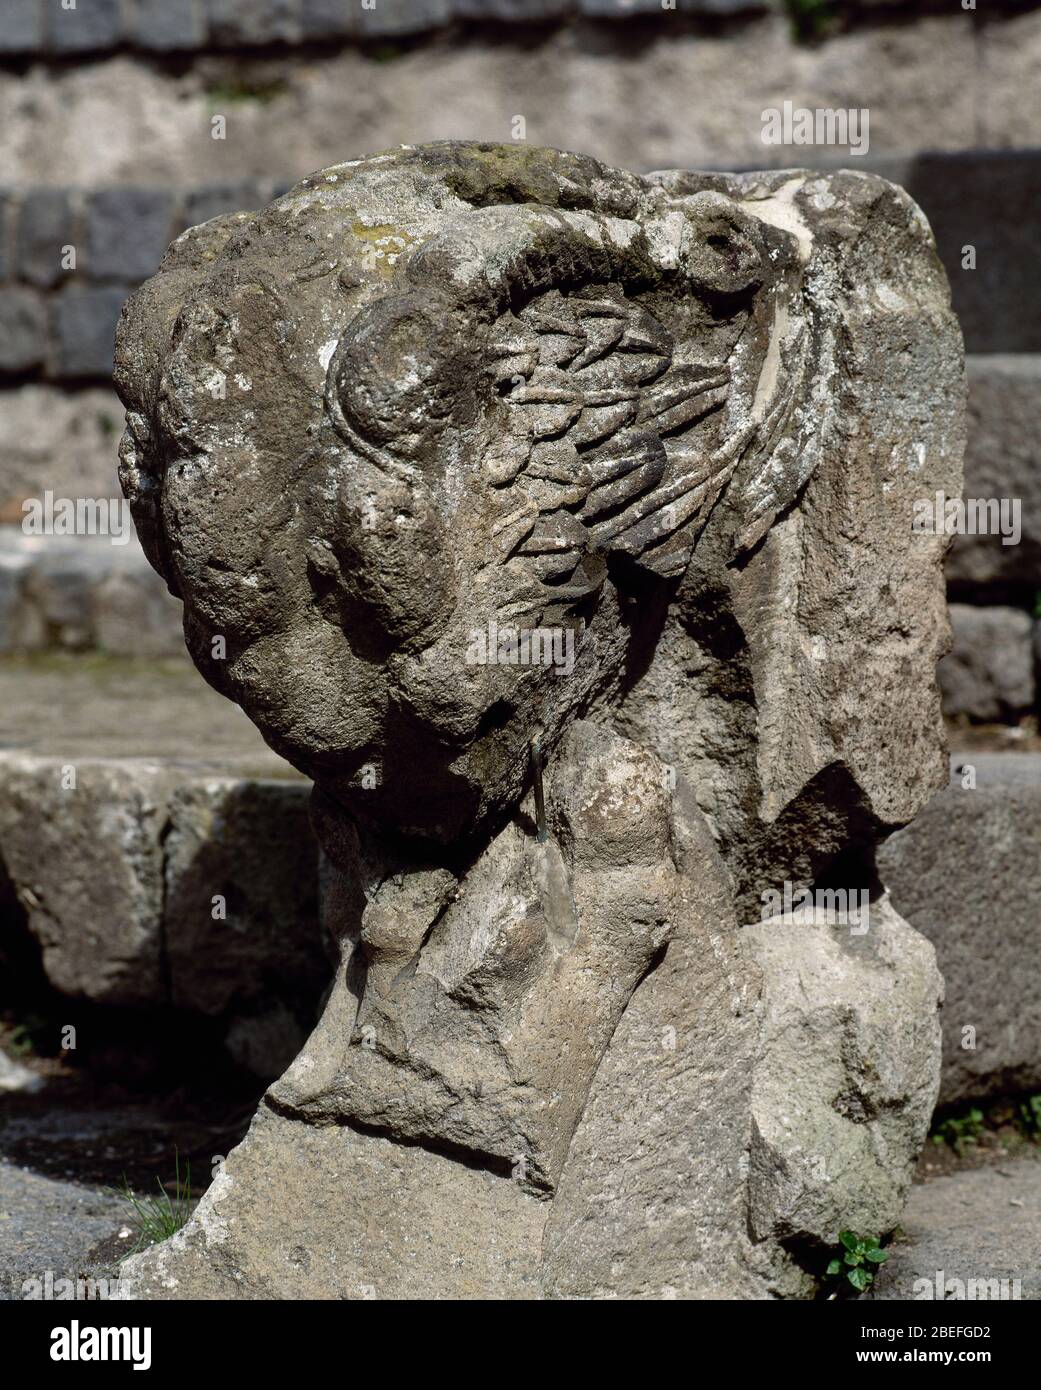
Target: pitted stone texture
[489, 1001]
[989, 673]
[965, 874]
[680, 424]
[301, 1211]
[690, 443]
[848, 1072]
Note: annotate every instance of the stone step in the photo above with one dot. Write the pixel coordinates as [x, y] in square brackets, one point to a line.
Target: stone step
[966, 874]
[158, 853]
[966, 1231]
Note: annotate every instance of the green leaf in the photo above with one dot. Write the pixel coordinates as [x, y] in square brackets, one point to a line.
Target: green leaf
[852, 1258]
[849, 1239]
[878, 1257]
[860, 1278]
[834, 1268]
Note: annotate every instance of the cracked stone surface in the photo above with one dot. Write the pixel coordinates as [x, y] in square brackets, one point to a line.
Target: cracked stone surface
[382, 433]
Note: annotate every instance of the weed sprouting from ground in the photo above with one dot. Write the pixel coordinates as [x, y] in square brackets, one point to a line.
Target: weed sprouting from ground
[158, 1218]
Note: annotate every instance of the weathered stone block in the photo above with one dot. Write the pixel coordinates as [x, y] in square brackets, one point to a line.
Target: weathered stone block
[241, 195]
[83, 327]
[1002, 460]
[21, 26]
[391, 17]
[91, 26]
[328, 19]
[844, 1089]
[966, 875]
[246, 22]
[86, 862]
[128, 230]
[241, 876]
[989, 673]
[23, 330]
[46, 223]
[168, 26]
[512, 11]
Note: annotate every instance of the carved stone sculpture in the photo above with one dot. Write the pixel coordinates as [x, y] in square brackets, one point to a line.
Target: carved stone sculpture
[557, 522]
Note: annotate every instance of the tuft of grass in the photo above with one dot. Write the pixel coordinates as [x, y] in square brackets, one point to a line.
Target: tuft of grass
[1028, 1117]
[857, 1260]
[158, 1218]
[810, 19]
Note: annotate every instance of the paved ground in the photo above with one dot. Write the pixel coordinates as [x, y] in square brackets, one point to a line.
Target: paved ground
[983, 1224]
[48, 1224]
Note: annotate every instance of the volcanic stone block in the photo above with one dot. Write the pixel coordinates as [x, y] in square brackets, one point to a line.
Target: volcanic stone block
[512, 11]
[241, 884]
[23, 330]
[170, 25]
[127, 232]
[84, 326]
[989, 672]
[1002, 460]
[220, 198]
[328, 19]
[82, 843]
[389, 18]
[234, 22]
[21, 26]
[90, 26]
[966, 875]
[558, 523]
[47, 222]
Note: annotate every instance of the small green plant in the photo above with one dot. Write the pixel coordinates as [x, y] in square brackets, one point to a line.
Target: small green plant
[810, 19]
[1028, 1117]
[158, 1218]
[960, 1131]
[27, 1036]
[857, 1261]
